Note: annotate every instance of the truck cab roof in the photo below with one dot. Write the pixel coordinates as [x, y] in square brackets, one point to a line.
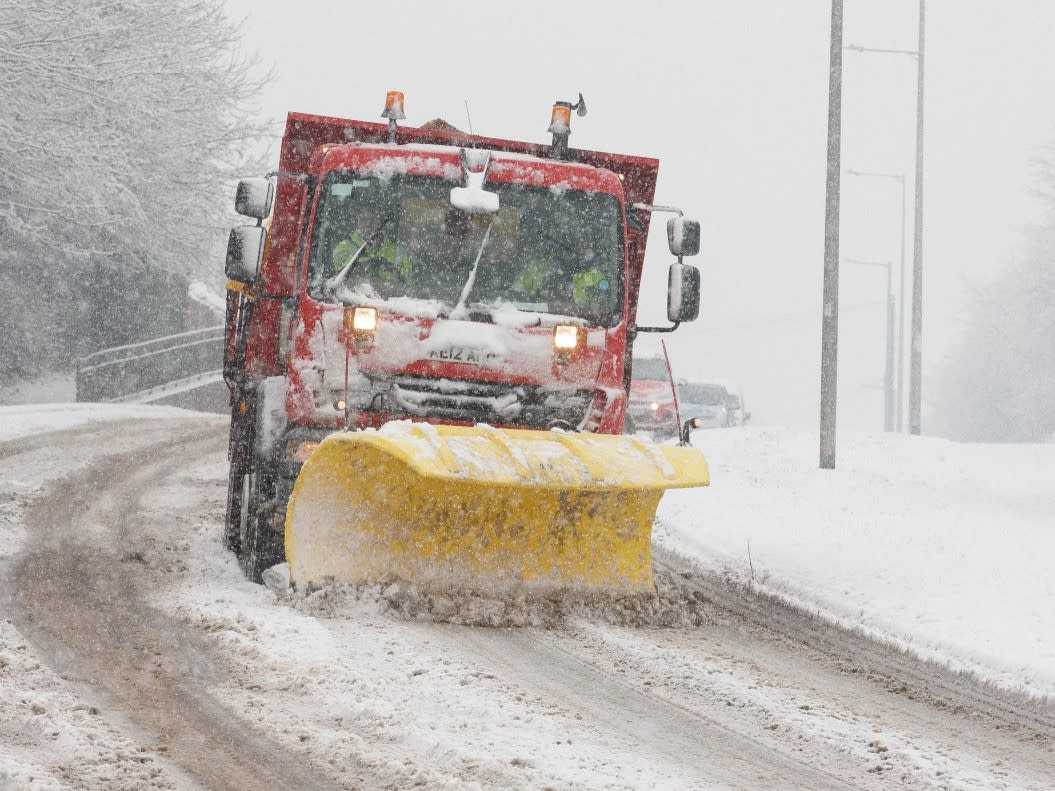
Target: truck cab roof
[443, 161]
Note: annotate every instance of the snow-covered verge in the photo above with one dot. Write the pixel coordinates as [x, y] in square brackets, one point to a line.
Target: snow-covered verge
[26, 419]
[941, 547]
[45, 389]
[204, 295]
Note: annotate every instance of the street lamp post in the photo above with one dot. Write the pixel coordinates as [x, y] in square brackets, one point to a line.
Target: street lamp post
[888, 353]
[916, 367]
[830, 298]
[900, 386]
[915, 401]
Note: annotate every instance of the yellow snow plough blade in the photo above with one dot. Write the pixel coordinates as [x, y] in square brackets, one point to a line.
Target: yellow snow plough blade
[482, 509]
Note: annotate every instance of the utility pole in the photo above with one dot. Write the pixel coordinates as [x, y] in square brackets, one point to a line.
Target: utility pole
[888, 346]
[915, 400]
[916, 333]
[830, 300]
[901, 319]
[899, 387]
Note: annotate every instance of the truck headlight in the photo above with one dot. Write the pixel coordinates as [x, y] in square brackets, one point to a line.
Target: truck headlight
[565, 338]
[360, 323]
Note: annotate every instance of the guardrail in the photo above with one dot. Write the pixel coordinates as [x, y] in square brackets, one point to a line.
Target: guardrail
[123, 371]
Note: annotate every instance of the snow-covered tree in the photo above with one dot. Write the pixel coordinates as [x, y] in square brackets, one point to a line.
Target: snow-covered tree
[121, 126]
[999, 384]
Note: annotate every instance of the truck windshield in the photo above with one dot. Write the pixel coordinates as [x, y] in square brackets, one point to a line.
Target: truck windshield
[556, 252]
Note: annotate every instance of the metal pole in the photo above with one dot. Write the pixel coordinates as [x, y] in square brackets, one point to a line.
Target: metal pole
[830, 313]
[917, 331]
[888, 343]
[899, 387]
[901, 318]
[916, 372]
[888, 370]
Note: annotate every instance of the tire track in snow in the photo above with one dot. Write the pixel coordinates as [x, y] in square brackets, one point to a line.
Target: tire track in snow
[897, 670]
[768, 696]
[77, 590]
[696, 741]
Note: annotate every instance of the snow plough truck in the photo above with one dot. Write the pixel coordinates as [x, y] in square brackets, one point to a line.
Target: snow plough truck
[428, 350]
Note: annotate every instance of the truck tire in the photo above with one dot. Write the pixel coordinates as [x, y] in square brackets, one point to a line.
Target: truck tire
[261, 527]
[232, 538]
[240, 445]
[240, 452]
[255, 517]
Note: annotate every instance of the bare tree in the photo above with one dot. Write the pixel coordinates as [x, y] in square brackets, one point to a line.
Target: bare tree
[999, 384]
[121, 126]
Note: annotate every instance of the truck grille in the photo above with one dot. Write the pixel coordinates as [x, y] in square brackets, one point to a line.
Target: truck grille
[529, 406]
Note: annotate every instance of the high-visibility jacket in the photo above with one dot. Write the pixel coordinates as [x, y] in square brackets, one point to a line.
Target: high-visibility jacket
[589, 285]
[400, 266]
[531, 279]
[585, 286]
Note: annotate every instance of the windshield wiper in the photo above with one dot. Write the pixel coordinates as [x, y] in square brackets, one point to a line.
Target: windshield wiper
[468, 287]
[338, 279]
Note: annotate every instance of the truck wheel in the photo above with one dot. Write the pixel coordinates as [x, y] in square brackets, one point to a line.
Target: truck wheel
[232, 531]
[628, 425]
[239, 448]
[261, 527]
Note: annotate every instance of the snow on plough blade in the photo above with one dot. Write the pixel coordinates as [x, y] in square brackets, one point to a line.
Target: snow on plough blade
[482, 509]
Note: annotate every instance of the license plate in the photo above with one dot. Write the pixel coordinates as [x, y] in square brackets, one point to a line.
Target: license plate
[469, 355]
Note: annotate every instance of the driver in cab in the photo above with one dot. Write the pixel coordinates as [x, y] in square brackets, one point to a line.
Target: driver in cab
[372, 248]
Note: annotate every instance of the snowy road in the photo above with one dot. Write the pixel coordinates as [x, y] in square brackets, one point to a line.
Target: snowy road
[132, 655]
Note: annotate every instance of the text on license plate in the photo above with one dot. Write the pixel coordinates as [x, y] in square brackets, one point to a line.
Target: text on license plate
[465, 354]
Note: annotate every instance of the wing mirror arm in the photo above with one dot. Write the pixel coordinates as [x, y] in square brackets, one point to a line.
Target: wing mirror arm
[634, 329]
[686, 429]
[683, 280]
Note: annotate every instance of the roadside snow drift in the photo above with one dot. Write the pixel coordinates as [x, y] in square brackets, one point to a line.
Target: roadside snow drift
[942, 547]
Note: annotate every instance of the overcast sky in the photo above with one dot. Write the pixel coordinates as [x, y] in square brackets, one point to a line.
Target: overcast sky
[732, 98]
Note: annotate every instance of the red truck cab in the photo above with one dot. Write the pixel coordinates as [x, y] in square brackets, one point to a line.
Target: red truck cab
[432, 355]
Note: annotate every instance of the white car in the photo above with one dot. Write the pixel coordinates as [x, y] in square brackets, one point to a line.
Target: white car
[707, 401]
[738, 412]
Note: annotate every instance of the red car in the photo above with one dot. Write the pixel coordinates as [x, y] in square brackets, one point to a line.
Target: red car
[651, 405]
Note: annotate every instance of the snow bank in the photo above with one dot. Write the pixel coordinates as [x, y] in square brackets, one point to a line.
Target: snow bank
[23, 420]
[943, 547]
[45, 389]
[204, 295]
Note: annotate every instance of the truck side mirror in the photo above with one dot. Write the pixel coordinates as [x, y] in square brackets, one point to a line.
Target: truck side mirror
[683, 293]
[683, 236]
[245, 251]
[253, 198]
